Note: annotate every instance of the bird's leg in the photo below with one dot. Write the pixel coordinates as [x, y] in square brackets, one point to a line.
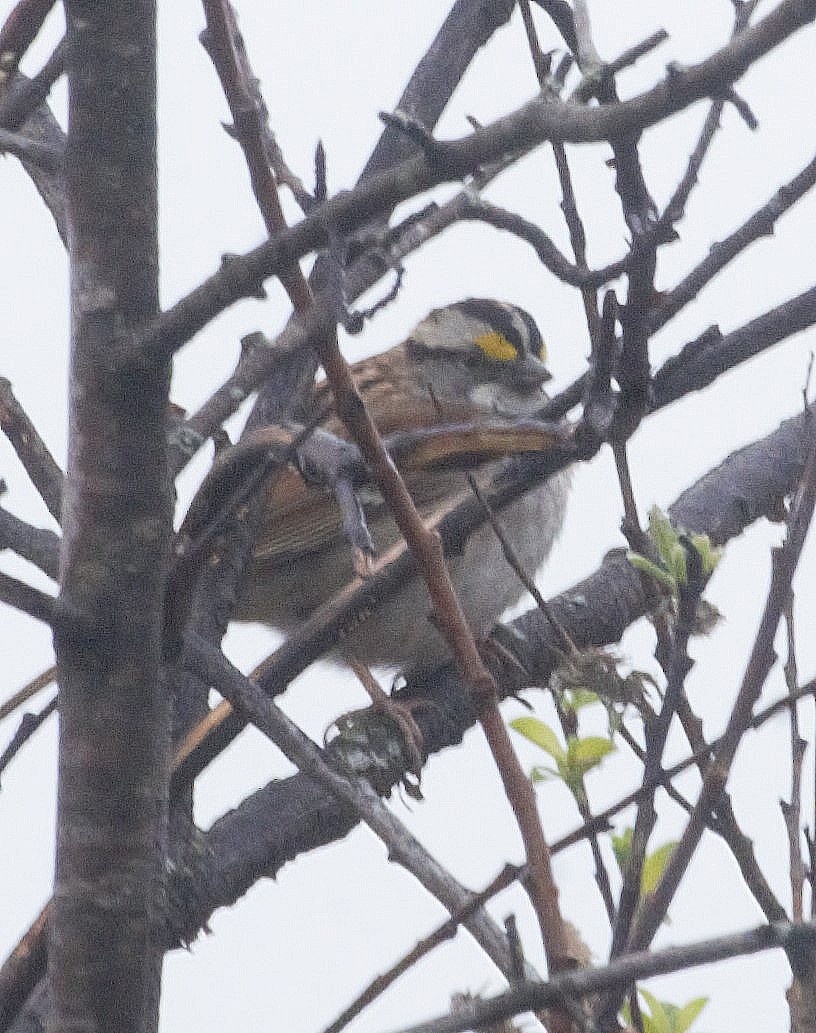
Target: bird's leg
[400, 713]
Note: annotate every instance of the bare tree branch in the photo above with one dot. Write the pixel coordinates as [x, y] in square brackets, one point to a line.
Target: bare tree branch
[575, 985]
[749, 484]
[516, 133]
[28, 94]
[353, 793]
[31, 449]
[20, 30]
[760, 224]
[26, 598]
[35, 544]
[761, 660]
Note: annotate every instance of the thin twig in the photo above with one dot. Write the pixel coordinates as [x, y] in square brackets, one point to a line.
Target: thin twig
[698, 367]
[38, 545]
[476, 208]
[676, 206]
[656, 727]
[27, 599]
[760, 224]
[577, 234]
[31, 450]
[586, 52]
[20, 30]
[225, 46]
[541, 61]
[582, 983]
[28, 726]
[356, 793]
[17, 106]
[632, 529]
[42, 681]
[760, 662]
[724, 822]
[523, 576]
[742, 108]
[443, 932]
[581, 797]
[632, 365]
[578, 239]
[596, 80]
[677, 668]
[792, 810]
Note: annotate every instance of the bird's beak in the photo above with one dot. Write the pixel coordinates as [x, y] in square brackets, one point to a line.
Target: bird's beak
[530, 372]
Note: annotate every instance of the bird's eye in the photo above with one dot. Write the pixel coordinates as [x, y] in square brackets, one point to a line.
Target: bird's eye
[496, 346]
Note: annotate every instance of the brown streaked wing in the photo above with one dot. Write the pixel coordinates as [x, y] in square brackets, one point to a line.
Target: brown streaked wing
[305, 519]
[298, 519]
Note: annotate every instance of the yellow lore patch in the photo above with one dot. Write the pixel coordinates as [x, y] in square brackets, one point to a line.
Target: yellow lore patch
[496, 346]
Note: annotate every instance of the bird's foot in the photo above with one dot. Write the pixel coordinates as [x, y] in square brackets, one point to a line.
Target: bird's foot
[400, 713]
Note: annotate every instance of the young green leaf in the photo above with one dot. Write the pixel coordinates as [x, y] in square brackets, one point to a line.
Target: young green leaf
[542, 735]
[688, 1013]
[664, 1017]
[654, 866]
[585, 754]
[661, 532]
[645, 566]
[622, 845]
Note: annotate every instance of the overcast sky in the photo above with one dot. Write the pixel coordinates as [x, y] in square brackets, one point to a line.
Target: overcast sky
[293, 952]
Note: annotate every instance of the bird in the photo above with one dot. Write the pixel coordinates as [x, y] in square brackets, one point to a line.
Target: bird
[466, 362]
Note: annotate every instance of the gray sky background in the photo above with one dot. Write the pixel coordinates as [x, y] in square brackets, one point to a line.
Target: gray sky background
[293, 952]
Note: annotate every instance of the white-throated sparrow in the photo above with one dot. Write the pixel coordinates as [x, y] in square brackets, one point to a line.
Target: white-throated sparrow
[466, 362]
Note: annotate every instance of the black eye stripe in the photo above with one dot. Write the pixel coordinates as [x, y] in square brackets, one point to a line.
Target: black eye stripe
[474, 357]
[497, 316]
[535, 342]
[514, 323]
[510, 322]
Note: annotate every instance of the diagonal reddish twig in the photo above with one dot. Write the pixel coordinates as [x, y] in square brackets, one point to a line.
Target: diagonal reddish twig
[424, 544]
